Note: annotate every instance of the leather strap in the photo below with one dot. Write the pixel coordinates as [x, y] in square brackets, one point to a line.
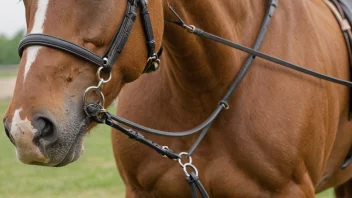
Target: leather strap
[121, 36]
[264, 56]
[339, 13]
[116, 46]
[93, 111]
[57, 43]
[148, 30]
[245, 68]
[195, 184]
[153, 57]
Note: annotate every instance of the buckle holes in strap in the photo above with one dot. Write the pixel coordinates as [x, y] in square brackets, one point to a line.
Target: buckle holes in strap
[100, 78]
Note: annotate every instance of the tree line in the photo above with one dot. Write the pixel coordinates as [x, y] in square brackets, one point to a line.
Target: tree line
[8, 48]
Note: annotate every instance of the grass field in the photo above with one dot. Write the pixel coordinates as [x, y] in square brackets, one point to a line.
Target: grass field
[94, 175]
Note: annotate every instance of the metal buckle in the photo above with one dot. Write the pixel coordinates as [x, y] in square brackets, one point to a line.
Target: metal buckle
[153, 63]
[190, 28]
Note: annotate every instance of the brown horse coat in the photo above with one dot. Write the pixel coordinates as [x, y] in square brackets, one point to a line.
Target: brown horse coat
[285, 135]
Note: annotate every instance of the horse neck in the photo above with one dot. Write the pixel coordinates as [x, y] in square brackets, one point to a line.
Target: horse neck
[196, 66]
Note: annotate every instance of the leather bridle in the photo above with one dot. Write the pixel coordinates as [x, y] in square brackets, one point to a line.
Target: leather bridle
[96, 111]
[116, 46]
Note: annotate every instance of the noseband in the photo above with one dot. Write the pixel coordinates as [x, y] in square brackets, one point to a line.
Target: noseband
[116, 46]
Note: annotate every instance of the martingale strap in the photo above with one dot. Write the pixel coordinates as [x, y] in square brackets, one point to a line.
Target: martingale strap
[96, 112]
[194, 183]
[116, 46]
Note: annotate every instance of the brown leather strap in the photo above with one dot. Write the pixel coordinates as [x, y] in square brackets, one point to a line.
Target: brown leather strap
[337, 10]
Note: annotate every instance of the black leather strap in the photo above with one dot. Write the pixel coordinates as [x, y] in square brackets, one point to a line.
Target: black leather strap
[164, 151]
[273, 59]
[244, 69]
[148, 30]
[57, 43]
[192, 186]
[121, 36]
[195, 184]
[93, 111]
[153, 57]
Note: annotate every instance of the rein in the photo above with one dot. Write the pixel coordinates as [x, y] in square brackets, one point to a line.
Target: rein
[96, 111]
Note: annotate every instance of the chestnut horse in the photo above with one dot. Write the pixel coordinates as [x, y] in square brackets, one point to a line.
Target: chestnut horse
[285, 135]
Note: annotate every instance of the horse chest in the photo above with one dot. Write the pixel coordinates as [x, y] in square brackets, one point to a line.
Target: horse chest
[146, 174]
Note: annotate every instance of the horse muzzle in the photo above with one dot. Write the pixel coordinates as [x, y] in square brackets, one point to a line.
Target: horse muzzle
[42, 141]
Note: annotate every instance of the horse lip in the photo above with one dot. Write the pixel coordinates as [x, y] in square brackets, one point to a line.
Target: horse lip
[67, 159]
[71, 154]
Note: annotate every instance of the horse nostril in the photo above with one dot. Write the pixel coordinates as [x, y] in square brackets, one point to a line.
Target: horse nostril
[48, 128]
[45, 131]
[7, 131]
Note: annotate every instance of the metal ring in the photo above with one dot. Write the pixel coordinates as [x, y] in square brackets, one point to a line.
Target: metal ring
[100, 78]
[180, 160]
[100, 85]
[189, 165]
[96, 90]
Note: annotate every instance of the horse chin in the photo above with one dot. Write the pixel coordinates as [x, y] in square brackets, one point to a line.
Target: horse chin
[72, 156]
[76, 149]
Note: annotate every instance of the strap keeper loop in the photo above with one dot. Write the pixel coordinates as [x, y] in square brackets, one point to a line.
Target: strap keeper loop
[225, 104]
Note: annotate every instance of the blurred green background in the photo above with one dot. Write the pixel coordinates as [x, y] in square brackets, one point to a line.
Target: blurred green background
[8, 48]
[94, 175]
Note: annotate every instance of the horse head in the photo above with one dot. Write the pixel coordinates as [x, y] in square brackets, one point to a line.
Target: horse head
[45, 119]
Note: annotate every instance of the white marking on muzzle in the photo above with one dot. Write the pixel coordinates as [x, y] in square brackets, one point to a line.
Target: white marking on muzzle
[23, 132]
[38, 27]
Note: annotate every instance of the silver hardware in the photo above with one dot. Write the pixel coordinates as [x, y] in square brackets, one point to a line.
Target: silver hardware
[165, 148]
[187, 155]
[155, 62]
[100, 85]
[100, 78]
[225, 105]
[97, 91]
[105, 61]
[190, 28]
[190, 166]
